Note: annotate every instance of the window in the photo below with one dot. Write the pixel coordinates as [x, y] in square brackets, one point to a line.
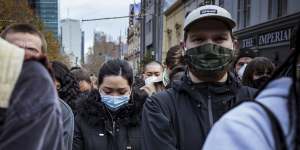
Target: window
[209, 2]
[149, 26]
[149, 3]
[277, 8]
[221, 3]
[244, 7]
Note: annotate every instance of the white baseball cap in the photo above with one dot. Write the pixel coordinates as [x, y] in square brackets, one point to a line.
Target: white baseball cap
[209, 11]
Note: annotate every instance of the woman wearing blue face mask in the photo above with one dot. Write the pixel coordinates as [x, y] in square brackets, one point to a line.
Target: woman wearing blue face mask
[108, 119]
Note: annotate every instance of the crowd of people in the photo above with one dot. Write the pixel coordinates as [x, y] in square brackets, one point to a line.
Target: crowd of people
[206, 95]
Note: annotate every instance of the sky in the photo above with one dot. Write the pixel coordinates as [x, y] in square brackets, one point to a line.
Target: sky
[90, 9]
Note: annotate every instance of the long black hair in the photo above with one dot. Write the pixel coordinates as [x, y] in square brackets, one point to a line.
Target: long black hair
[69, 89]
[289, 69]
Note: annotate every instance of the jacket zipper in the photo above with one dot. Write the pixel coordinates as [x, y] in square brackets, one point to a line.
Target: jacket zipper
[210, 114]
[113, 129]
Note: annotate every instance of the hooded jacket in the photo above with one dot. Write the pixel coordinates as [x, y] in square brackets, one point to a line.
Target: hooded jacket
[96, 127]
[181, 117]
[32, 121]
[248, 126]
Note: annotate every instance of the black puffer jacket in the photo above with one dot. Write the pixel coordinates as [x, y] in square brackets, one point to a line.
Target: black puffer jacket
[98, 128]
[181, 117]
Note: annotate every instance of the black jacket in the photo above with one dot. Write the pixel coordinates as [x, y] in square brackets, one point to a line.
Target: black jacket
[97, 128]
[181, 117]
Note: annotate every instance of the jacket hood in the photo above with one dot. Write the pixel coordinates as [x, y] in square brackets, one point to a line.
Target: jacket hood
[278, 88]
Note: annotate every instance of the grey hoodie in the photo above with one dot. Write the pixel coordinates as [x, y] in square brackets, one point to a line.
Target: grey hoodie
[33, 118]
[248, 127]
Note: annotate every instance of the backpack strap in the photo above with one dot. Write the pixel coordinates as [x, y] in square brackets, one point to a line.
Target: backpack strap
[278, 134]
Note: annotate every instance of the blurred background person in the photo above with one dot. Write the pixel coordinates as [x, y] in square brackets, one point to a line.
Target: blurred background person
[109, 119]
[241, 62]
[94, 81]
[84, 80]
[30, 116]
[258, 72]
[153, 77]
[175, 66]
[66, 85]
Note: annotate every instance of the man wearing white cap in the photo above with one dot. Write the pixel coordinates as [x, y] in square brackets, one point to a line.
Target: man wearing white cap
[181, 117]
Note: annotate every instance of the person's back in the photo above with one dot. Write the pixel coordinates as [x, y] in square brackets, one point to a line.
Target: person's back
[33, 118]
[249, 127]
[269, 122]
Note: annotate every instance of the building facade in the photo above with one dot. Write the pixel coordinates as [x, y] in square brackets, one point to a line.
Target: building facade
[82, 61]
[133, 38]
[48, 11]
[173, 26]
[71, 39]
[151, 30]
[265, 26]
[175, 12]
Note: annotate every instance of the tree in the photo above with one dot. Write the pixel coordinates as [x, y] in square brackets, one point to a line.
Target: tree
[19, 11]
[101, 51]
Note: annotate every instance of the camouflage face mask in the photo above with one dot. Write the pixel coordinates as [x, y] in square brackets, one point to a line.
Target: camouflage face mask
[209, 57]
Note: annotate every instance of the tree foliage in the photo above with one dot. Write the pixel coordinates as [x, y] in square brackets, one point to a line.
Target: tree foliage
[102, 51]
[19, 11]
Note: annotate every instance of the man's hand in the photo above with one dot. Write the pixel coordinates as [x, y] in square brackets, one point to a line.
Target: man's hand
[149, 89]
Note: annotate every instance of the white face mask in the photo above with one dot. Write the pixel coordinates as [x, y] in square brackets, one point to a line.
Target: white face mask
[153, 79]
[241, 71]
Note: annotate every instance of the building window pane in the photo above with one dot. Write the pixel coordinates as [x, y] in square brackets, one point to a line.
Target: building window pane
[282, 7]
[277, 8]
[244, 7]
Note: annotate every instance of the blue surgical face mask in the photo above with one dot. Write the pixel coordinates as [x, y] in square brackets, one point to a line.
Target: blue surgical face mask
[114, 102]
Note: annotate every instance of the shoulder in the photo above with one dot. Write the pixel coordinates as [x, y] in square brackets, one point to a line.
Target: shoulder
[35, 68]
[34, 89]
[250, 120]
[66, 111]
[244, 127]
[91, 110]
[274, 96]
[161, 103]
[163, 98]
[246, 93]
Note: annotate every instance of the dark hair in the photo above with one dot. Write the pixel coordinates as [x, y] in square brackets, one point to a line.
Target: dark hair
[258, 64]
[177, 72]
[25, 28]
[174, 57]
[244, 53]
[153, 63]
[116, 67]
[69, 90]
[75, 68]
[81, 75]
